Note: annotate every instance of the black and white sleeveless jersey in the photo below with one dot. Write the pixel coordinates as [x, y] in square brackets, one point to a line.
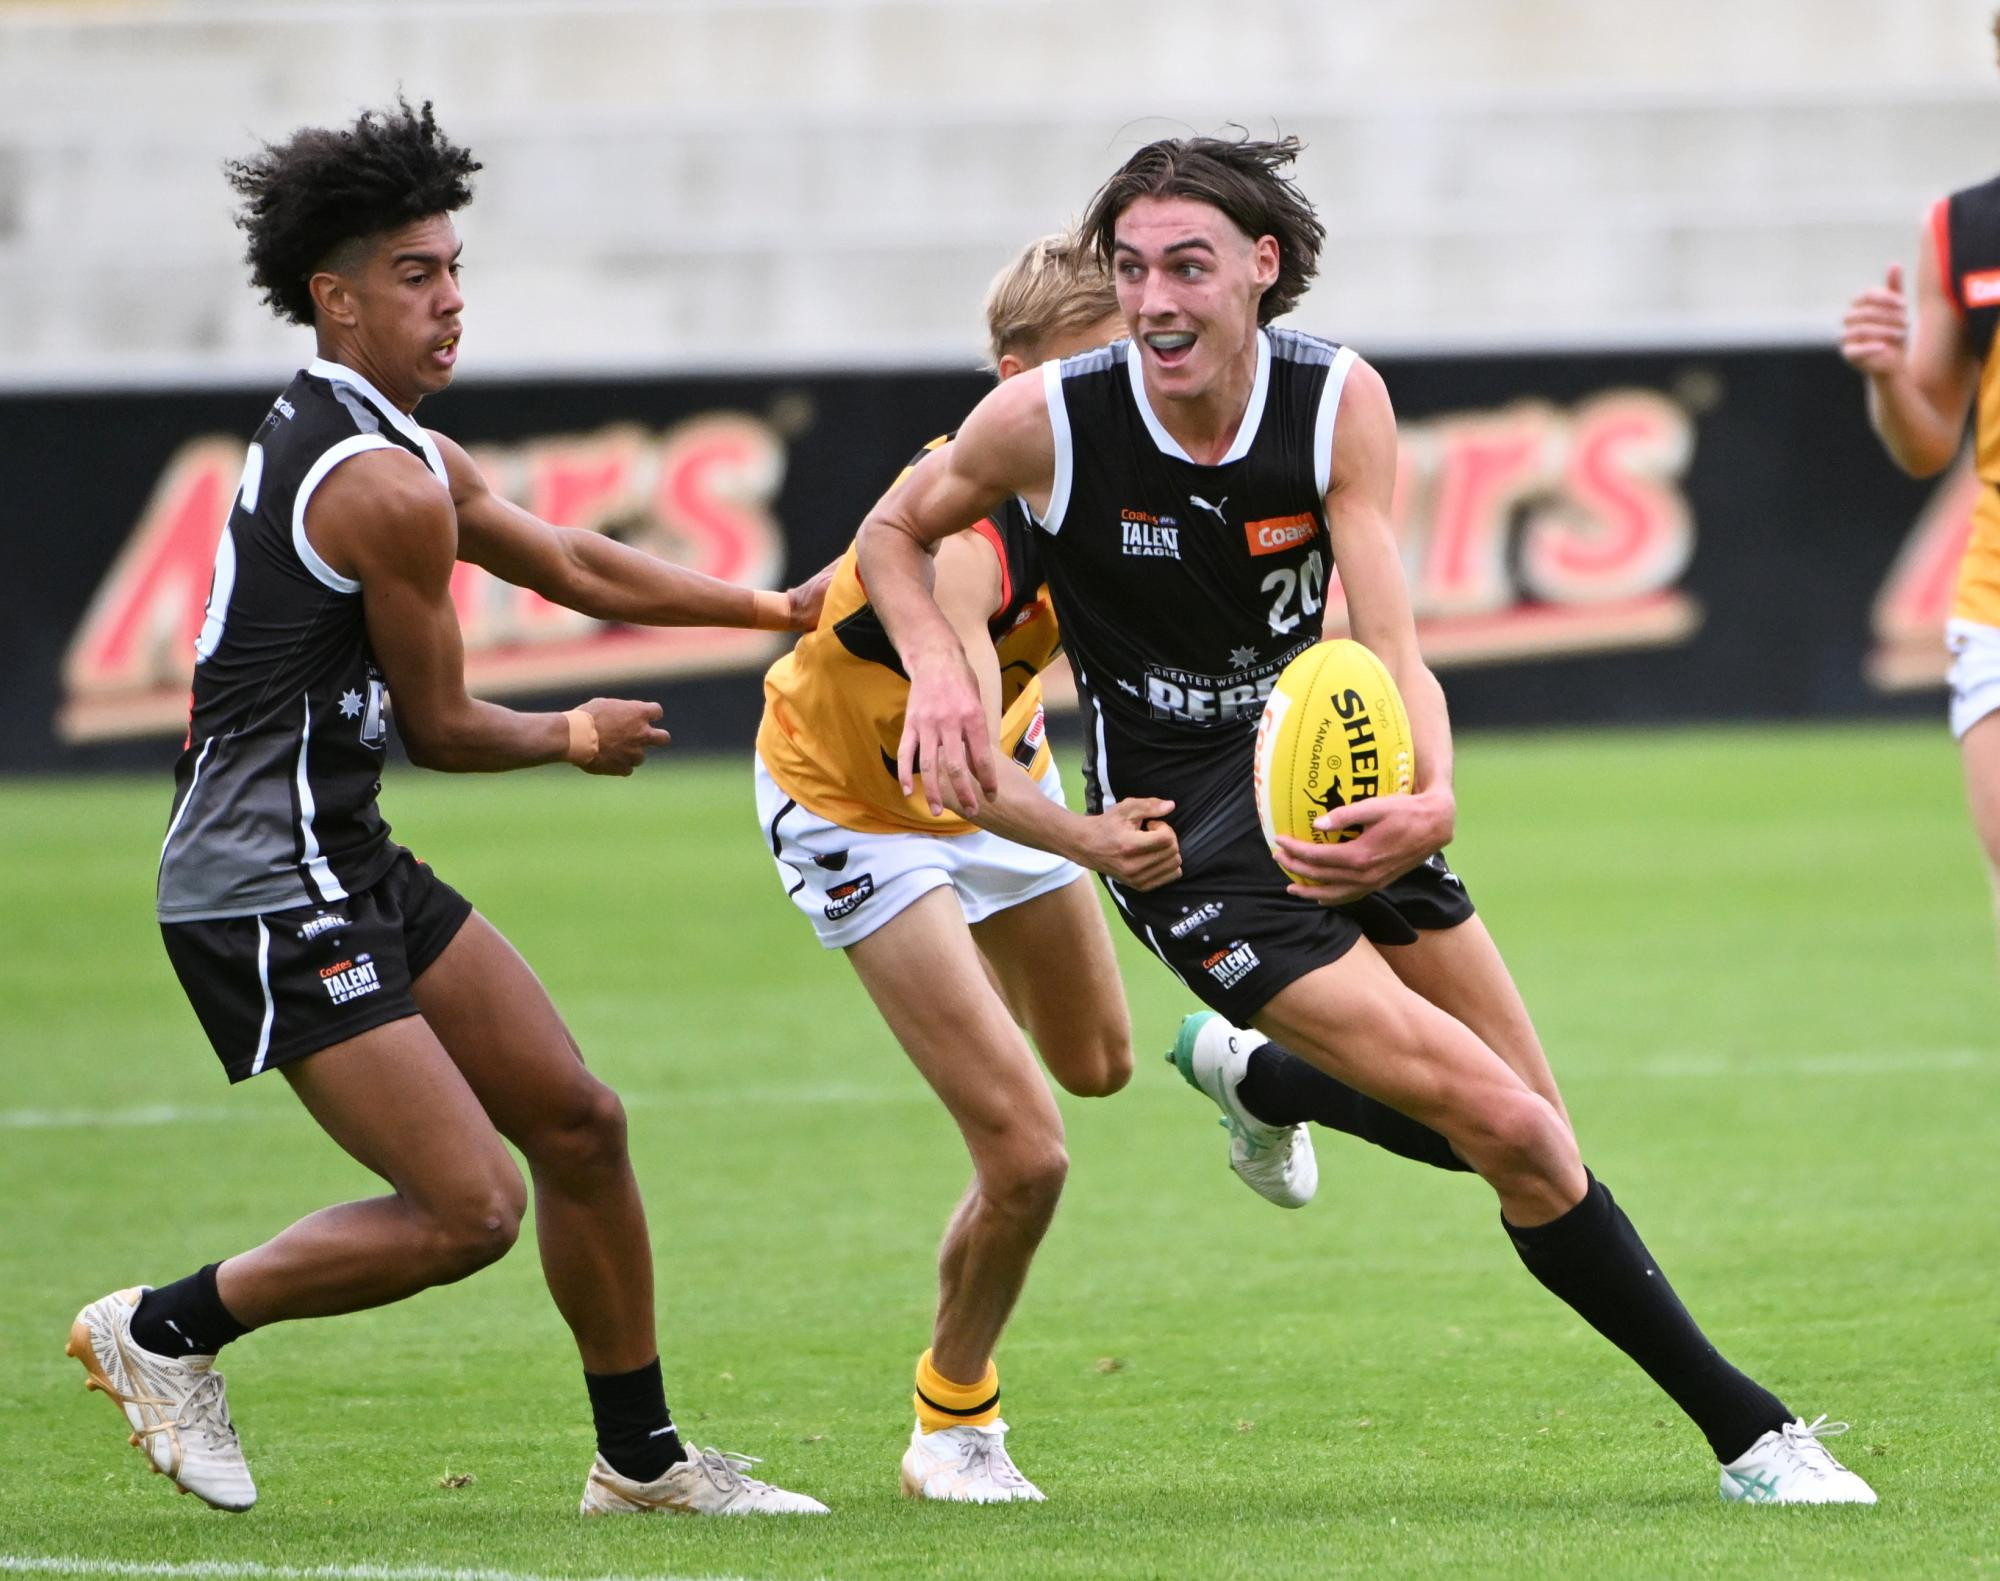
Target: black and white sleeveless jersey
[1184, 589]
[275, 788]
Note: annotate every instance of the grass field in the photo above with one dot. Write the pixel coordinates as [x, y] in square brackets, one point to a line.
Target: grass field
[1763, 963]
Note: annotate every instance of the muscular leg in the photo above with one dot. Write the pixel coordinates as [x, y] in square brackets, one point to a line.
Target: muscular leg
[1460, 971]
[924, 974]
[1357, 1020]
[1051, 959]
[1979, 750]
[393, 1100]
[519, 1061]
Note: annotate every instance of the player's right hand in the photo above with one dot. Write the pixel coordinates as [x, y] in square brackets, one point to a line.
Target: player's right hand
[1133, 844]
[626, 732]
[946, 736]
[1876, 331]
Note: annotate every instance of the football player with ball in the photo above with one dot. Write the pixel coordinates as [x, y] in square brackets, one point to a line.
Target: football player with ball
[1195, 486]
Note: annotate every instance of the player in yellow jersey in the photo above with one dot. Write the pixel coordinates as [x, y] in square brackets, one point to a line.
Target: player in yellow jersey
[965, 934]
[1921, 384]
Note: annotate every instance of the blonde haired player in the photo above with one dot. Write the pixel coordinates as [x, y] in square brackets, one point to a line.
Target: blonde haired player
[1921, 386]
[967, 932]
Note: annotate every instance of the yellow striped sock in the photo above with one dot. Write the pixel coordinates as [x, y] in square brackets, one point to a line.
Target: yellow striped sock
[941, 1403]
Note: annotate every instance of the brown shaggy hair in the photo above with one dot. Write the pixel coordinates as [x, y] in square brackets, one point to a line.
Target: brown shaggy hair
[1242, 178]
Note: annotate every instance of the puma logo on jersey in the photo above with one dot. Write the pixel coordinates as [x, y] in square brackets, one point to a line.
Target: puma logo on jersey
[1214, 510]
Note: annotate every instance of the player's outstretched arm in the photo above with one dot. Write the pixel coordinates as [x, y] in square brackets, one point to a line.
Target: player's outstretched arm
[1920, 384]
[1003, 448]
[382, 519]
[601, 577]
[1125, 842]
[1398, 832]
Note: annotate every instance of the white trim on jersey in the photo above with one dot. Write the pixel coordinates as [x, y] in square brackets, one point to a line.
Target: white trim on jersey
[1099, 757]
[264, 982]
[1246, 430]
[353, 445]
[1153, 943]
[1329, 408]
[187, 801]
[1052, 389]
[400, 420]
[316, 865]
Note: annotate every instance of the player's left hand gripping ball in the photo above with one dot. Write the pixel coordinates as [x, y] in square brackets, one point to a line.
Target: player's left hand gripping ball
[1334, 732]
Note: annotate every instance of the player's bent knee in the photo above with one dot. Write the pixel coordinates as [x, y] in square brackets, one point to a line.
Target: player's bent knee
[475, 1231]
[1096, 1069]
[1027, 1183]
[584, 1134]
[1519, 1135]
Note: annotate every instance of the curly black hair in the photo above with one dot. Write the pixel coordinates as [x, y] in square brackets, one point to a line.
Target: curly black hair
[306, 197]
[1242, 177]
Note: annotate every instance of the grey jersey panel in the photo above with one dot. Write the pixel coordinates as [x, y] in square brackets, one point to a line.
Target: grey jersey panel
[275, 791]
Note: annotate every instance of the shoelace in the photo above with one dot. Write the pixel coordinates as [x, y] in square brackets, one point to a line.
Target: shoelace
[1804, 1440]
[986, 1454]
[726, 1468]
[207, 1411]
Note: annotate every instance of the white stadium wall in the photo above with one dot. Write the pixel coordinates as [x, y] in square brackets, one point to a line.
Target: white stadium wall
[826, 183]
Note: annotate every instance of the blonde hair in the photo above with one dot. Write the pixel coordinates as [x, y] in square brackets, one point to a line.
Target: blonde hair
[1055, 286]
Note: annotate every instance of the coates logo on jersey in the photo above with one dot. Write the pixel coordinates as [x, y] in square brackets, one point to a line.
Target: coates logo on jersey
[698, 494]
[1981, 289]
[1149, 537]
[1275, 534]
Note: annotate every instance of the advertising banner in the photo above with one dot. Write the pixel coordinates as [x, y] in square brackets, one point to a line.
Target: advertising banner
[1642, 537]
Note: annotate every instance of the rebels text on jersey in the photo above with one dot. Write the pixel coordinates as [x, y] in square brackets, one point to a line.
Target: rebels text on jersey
[1184, 589]
[275, 790]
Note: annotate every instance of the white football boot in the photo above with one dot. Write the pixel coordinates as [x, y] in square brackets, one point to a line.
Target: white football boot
[175, 1407]
[708, 1482]
[965, 1465]
[1789, 1465]
[1275, 1161]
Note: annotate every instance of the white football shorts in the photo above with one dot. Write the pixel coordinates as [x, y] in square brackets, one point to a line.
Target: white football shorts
[1975, 672]
[849, 883]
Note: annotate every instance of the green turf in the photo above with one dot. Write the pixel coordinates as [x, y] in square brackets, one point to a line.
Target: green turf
[1763, 963]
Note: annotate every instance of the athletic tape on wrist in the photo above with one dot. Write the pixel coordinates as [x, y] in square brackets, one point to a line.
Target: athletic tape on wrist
[769, 611]
[582, 736]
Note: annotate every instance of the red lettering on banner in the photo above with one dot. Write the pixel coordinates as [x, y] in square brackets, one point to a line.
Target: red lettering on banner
[1622, 527]
[1538, 531]
[698, 494]
[1482, 469]
[138, 633]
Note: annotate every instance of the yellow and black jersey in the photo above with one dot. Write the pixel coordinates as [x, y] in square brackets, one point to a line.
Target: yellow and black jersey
[833, 706]
[1965, 229]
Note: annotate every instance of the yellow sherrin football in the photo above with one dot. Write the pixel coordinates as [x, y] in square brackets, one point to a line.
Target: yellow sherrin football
[1333, 731]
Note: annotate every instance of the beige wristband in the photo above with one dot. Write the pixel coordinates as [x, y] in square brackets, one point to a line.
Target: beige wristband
[582, 736]
[769, 611]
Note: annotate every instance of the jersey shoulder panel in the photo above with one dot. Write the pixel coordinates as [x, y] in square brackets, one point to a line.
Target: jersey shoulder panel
[1969, 260]
[1291, 345]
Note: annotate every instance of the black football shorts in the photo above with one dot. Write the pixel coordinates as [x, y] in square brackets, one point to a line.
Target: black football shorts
[1233, 935]
[280, 986]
